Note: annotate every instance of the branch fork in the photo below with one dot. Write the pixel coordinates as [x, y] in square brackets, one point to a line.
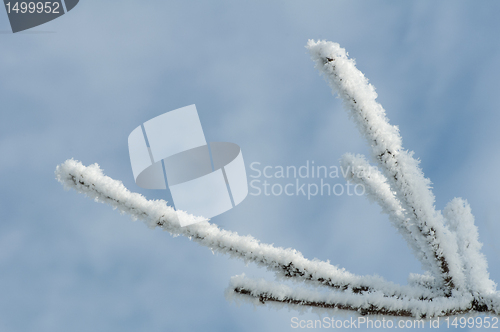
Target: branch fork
[446, 243]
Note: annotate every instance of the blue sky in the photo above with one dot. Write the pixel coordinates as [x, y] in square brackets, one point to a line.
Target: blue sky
[77, 86]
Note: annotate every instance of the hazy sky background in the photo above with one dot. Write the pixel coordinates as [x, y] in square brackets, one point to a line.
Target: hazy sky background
[77, 86]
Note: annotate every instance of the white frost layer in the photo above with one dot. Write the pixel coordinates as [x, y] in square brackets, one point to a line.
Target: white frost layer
[461, 221]
[92, 182]
[359, 171]
[432, 308]
[399, 167]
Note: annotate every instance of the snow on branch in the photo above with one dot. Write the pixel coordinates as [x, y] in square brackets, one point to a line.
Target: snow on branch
[456, 280]
[261, 291]
[459, 216]
[156, 213]
[399, 167]
[359, 171]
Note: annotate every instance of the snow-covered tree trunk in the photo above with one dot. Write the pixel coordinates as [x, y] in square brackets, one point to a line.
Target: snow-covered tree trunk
[446, 244]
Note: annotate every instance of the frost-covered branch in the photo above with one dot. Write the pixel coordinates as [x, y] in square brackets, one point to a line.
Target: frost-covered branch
[363, 294]
[399, 167]
[461, 221]
[261, 291]
[285, 262]
[456, 280]
[359, 171]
